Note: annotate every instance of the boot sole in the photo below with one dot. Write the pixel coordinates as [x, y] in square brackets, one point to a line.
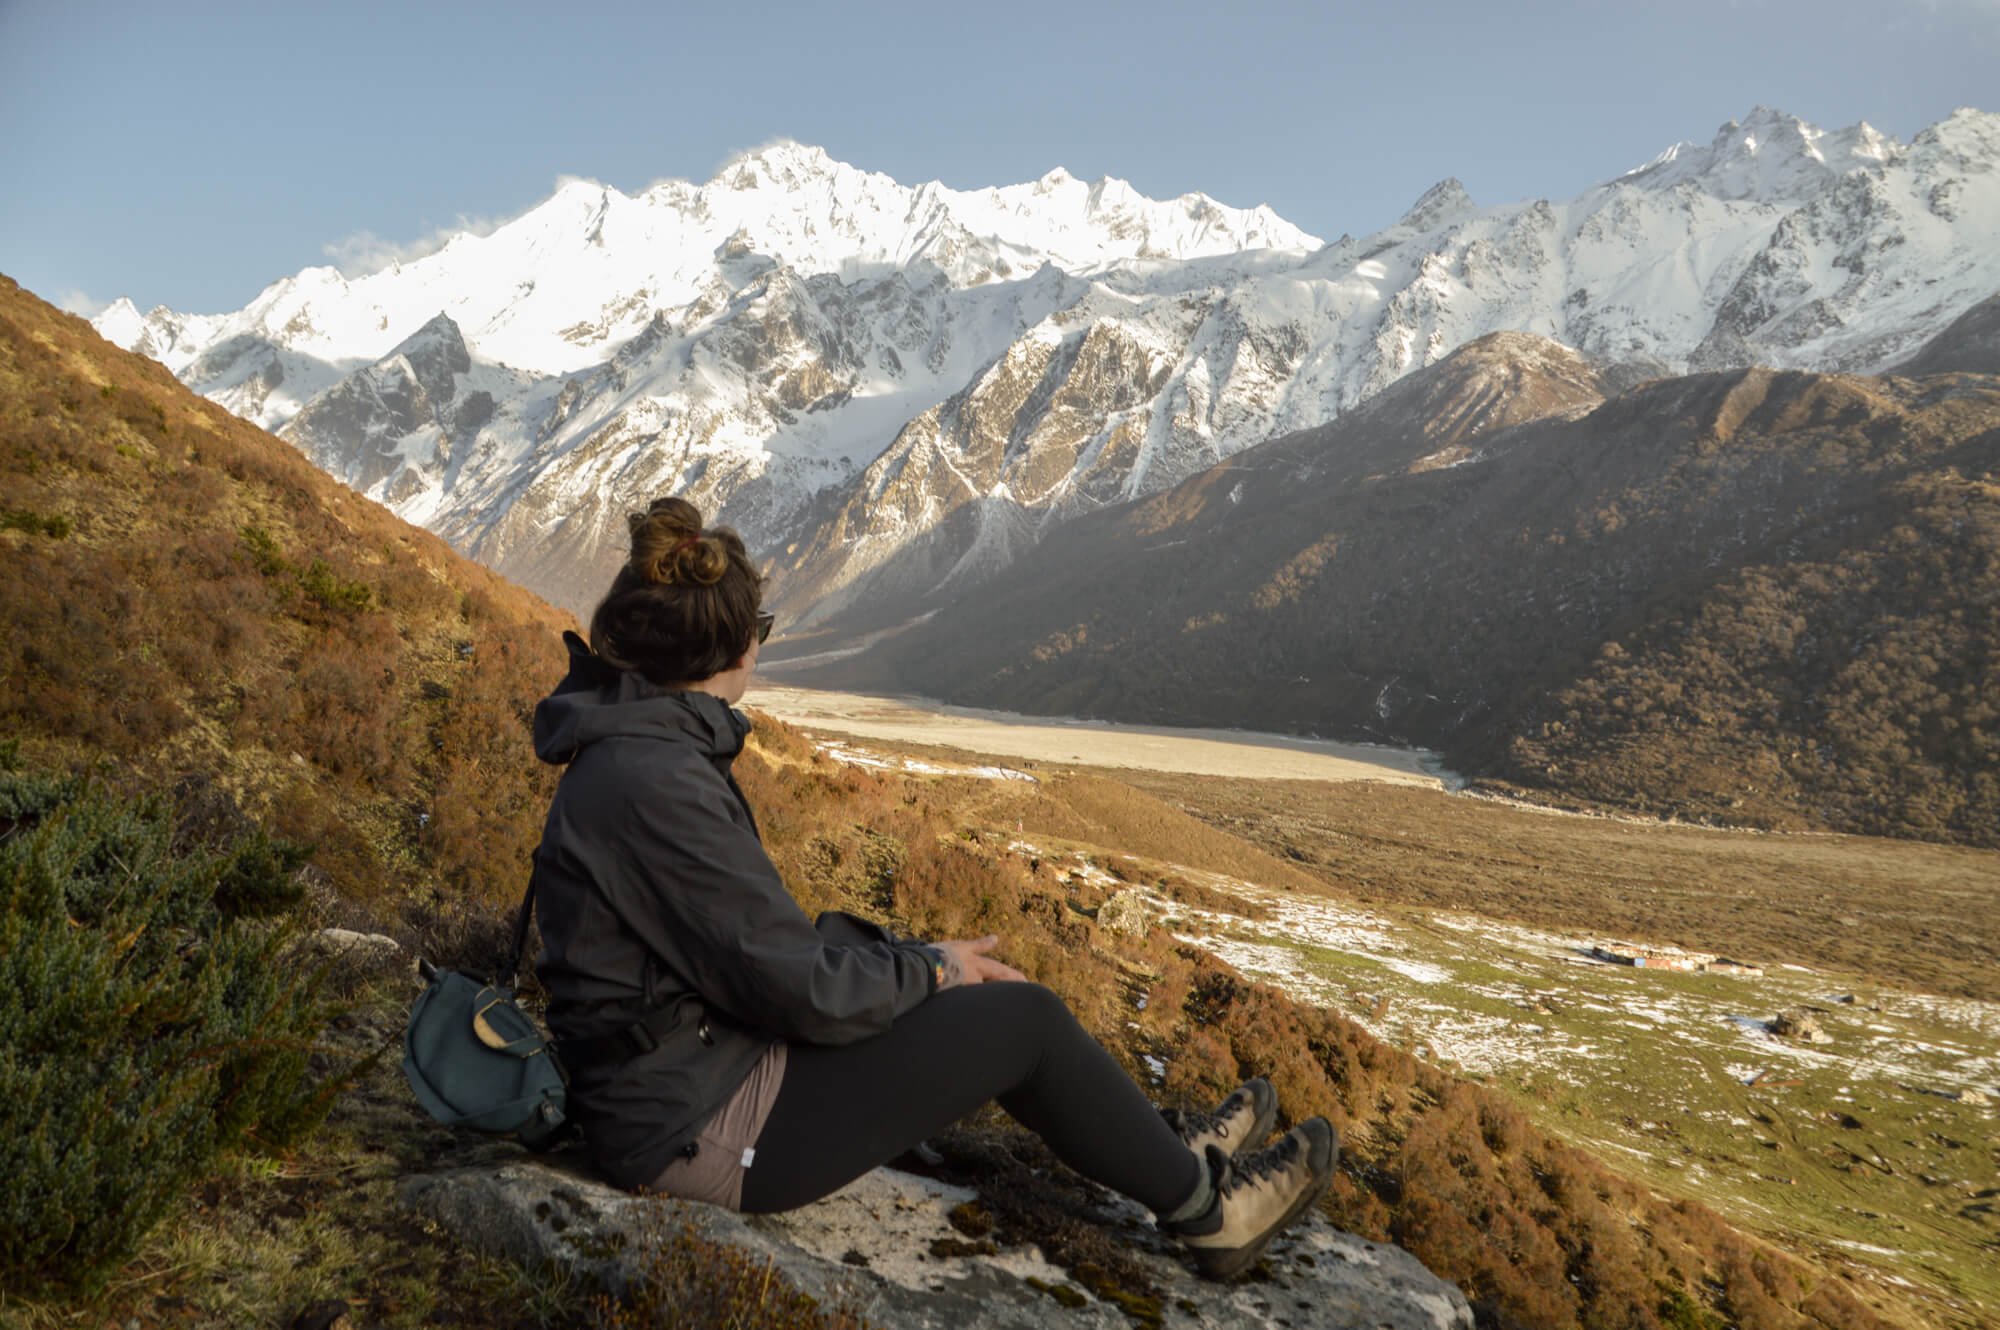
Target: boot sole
[1223, 1266]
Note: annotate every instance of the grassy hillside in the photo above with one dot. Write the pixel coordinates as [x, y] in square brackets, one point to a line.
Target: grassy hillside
[190, 604]
[1538, 1233]
[1925, 917]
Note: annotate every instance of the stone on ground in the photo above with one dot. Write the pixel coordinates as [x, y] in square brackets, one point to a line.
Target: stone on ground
[1126, 912]
[873, 1240]
[1800, 1023]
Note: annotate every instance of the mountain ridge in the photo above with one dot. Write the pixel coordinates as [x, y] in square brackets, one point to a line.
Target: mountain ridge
[813, 316]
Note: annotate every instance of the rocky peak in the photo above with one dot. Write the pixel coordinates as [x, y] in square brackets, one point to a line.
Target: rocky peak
[1492, 382]
[1110, 194]
[1441, 204]
[1965, 139]
[784, 164]
[1440, 416]
[1768, 155]
[151, 334]
[114, 319]
[357, 429]
[435, 354]
[439, 339]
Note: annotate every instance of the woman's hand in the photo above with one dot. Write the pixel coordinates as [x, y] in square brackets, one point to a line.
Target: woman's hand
[976, 967]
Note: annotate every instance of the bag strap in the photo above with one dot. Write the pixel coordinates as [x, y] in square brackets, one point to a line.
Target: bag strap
[635, 1040]
[521, 934]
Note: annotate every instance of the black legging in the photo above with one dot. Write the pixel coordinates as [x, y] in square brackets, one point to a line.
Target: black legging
[843, 1110]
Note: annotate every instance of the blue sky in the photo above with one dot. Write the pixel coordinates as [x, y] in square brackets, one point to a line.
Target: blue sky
[189, 154]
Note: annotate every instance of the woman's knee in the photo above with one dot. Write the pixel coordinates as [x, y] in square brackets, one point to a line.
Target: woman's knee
[1032, 1004]
[1013, 1004]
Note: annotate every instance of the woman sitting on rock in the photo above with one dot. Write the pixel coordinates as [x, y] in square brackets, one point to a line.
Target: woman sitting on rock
[724, 1048]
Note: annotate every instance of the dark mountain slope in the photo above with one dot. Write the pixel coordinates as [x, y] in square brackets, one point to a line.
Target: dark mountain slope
[1970, 344]
[189, 601]
[1613, 577]
[1846, 680]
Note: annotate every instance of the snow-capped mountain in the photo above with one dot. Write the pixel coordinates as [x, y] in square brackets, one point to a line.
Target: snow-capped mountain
[895, 389]
[564, 285]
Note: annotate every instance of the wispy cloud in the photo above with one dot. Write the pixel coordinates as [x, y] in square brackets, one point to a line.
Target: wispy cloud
[364, 252]
[80, 302]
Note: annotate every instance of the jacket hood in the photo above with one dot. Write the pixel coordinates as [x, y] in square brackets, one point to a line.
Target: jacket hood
[597, 701]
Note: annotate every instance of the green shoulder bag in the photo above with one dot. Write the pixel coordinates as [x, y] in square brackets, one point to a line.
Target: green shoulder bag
[474, 1059]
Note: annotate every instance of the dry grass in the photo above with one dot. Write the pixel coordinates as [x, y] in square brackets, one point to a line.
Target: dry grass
[1895, 911]
[188, 598]
[1537, 1232]
[1922, 915]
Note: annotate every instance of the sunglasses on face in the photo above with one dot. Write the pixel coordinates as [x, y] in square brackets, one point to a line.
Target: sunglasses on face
[765, 622]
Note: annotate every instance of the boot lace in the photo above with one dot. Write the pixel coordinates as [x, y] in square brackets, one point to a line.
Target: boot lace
[1248, 1170]
[1189, 1124]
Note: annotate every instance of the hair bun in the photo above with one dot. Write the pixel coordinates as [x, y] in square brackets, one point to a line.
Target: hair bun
[684, 607]
[669, 546]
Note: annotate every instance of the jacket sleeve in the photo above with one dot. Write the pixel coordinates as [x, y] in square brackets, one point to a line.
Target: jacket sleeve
[698, 889]
[839, 927]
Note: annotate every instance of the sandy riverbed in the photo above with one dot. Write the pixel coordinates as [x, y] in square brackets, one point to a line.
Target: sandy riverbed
[1098, 743]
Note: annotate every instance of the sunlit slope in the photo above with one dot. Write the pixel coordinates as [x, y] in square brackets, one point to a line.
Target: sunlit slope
[1537, 1232]
[188, 600]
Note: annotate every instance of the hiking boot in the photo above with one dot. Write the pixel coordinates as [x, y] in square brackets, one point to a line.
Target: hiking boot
[1240, 1122]
[1257, 1194]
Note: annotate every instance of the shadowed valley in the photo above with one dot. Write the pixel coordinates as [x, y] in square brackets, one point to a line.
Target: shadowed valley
[1755, 598]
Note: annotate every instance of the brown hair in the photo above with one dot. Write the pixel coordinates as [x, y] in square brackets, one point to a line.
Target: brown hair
[684, 606]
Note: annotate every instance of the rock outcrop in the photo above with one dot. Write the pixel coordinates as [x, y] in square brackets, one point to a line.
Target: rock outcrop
[1801, 1024]
[886, 1242]
[1125, 913]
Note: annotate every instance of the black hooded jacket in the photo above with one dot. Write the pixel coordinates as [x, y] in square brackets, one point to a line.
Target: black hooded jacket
[654, 890]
